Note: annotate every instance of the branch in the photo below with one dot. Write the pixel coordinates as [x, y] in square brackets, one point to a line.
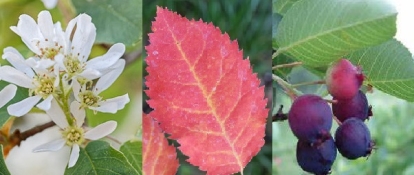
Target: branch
[17, 137]
[279, 116]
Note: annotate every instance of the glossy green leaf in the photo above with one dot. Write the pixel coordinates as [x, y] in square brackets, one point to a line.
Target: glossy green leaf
[21, 94]
[3, 167]
[282, 59]
[319, 31]
[389, 67]
[282, 6]
[133, 152]
[115, 21]
[100, 158]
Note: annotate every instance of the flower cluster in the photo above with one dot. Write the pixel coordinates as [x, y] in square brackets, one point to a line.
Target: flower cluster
[61, 80]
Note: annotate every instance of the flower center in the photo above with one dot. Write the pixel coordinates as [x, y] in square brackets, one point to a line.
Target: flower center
[48, 49]
[88, 98]
[45, 86]
[73, 66]
[73, 135]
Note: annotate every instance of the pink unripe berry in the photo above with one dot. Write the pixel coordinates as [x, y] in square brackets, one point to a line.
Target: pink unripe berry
[343, 79]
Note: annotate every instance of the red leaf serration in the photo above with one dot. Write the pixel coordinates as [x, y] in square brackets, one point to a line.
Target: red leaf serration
[204, 93]
[159, 158]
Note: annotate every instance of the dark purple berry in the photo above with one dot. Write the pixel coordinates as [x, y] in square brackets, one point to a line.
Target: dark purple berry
[354, 107]
[353, 139]
[316, 159]
[310, 118]
[343, 79]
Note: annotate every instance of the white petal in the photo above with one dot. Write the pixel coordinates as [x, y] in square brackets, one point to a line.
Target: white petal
[84, 36]
[46, 103]
[17, 61]
[14, 76]
[59, 61]
[101, 130]
[45, 23]
[54, 145]
[50, 4]
[107, 60]
[78, 113]
[28, 30]
[90, 74]
[74, 155]
[107, 107]
[106, 80]
[57, 115]
[120, 101]
[7, 93]
[23, 107]
[76, 89]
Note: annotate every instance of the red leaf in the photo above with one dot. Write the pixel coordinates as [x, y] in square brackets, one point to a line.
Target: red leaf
[159, 157]
[204, 94]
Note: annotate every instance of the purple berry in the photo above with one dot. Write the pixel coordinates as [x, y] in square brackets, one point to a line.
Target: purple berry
[356, 107]
[310, 118]
[343, 79]
[316, 159]
[353, 139]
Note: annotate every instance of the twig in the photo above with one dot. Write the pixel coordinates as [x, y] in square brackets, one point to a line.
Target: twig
[17, 137]
[297, 63]
[279, 116]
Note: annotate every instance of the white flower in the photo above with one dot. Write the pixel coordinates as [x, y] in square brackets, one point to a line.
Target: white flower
[7, 93]
[50, 4]
[89, 98]
[73, 135]
[44, 38]
[42, 83]
[80, 36]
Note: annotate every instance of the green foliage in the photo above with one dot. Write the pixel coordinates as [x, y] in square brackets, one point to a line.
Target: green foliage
[133, 152]
[389, 68]
[318, 32]
[3, 167]
[115, 21]
[282, 6]
[100, 158]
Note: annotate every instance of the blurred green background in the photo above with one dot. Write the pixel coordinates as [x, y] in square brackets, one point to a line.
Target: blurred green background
[247, 21]
[391, 127]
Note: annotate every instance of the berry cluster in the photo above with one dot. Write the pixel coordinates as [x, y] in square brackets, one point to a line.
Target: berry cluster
[310, 119]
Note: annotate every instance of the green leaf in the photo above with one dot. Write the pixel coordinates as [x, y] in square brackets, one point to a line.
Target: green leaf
[115, 21]
[133, 152]
[319, 31]
[389, 67]
[3, 167]
[21, 94]
[282, 6]
[100, 158]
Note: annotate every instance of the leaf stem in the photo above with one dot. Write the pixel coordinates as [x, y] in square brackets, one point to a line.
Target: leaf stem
[297, 63]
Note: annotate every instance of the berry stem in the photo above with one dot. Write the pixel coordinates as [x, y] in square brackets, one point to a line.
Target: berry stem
[309, 83]
[291, 91]
[287, 65]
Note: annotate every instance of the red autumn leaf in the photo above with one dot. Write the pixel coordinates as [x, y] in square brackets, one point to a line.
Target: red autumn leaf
[159, 157]
[204, 94]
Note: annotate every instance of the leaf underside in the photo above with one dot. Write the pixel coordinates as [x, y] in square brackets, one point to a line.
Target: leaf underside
[318, 32]
[204, 93]
[389, 67]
